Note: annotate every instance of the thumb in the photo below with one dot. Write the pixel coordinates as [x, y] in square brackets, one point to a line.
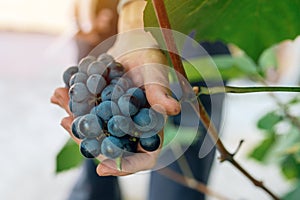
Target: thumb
[159, 95]
[157, 90]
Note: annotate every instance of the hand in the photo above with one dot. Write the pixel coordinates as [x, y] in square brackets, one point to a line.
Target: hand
[156, 93]
[95, 22]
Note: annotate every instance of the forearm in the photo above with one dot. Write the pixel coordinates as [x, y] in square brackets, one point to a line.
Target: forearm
[131, 16]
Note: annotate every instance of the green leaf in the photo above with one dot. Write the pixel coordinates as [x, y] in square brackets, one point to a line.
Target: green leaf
[262, 150]
[294, 194]
[268, 121]
[252, 25]
[68, 157]
[290, 167]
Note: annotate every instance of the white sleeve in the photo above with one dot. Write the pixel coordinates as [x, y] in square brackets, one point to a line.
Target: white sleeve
[123, 2]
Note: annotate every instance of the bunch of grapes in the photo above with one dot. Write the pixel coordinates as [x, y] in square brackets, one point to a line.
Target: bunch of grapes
[111, 116]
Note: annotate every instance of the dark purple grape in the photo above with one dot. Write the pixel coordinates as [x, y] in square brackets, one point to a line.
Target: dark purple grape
[90, 126]
[116, 70]
[68, 73]
[119, 125]
[90, 147]
[84, 63]
[79, 108]
[124, 82]
[129, 105]
[97, 67]
[95, 83]
[111, 92]
[150, 143]
[79, 92]
[139, 94]
[106, 109]
[129, 145]
[74, 127]
[105, 58]
[145, 120]
[111, 147]
[78, 77]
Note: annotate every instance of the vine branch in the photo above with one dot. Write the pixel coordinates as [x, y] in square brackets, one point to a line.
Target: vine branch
[164, 23]
[240, 90]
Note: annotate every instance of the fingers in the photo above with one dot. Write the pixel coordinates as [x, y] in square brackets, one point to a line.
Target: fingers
[61, 98]
[159, 95]
[156, 87]
[130, 164]
[143, 160]
[66, 124]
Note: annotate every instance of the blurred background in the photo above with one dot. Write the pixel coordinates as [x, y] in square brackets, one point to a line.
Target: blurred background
[36, 45]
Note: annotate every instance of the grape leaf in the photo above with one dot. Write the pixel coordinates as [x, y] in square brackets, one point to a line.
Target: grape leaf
[68, 157]
[252, 25]
[268, 121]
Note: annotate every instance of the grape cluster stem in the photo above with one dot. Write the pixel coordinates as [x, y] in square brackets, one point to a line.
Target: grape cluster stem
[163, 20]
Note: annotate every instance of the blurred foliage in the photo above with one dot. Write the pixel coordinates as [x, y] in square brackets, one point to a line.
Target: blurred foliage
[281, 143]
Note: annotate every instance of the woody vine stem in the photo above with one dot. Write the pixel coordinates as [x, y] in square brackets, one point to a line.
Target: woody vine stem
[164, 23]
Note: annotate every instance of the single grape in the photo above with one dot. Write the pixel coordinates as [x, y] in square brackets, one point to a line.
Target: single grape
[105, 58]
[145, 120]
[129, 145]
[111, 92]
[139, 94]
[68, 73]
[119, 125]
[97, 67]
[74, 127]
[78, 77]
[116, 70]
[90, 126]
[90, 147]
[106, 109]
[79, 92]
[84, 63]
[124, 82]
[150, 143]
[158, 125]
[111, 147]
[95, 83]
[129, 105]
[79, 108]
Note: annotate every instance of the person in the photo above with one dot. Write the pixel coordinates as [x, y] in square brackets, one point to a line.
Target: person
[105, 186]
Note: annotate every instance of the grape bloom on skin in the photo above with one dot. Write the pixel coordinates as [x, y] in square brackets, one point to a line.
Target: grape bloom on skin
[112, 116]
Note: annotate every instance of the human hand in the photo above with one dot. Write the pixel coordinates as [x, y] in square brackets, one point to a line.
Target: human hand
[95, 21]
[142, 160]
